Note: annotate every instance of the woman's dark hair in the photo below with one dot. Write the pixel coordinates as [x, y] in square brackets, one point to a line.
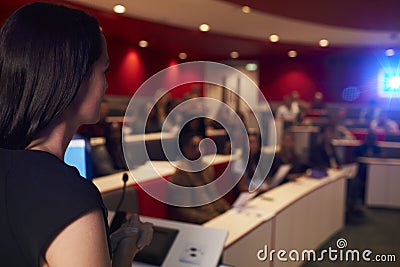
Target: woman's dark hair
[46, 52]
[246, 147]
[253, 161]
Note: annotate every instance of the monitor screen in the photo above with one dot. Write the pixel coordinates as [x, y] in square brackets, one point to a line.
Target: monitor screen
[78, 155]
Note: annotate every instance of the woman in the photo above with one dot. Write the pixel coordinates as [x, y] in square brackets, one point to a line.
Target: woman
[53, 61]
[248, 170]
[322, 154]
[194, 173]
[287, 155]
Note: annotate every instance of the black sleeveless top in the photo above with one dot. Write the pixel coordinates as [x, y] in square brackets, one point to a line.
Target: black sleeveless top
[39, 196]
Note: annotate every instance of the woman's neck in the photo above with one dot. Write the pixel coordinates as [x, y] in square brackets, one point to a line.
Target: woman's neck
[54, 138]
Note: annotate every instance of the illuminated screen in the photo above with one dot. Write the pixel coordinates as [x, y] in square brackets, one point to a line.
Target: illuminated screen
[77, 155]
[389, 83]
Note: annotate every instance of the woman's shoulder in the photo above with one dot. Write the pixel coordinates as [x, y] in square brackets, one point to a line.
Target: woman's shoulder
[39, 162]
[44, 195]
[40, 170]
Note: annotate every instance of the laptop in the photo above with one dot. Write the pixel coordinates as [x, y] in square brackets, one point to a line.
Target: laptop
[279, 175]
[275, 180]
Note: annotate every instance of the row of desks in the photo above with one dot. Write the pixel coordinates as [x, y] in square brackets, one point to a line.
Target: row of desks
[296, 215]
[153, 174]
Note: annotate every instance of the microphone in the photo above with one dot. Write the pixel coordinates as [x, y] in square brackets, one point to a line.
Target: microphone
[119, 216]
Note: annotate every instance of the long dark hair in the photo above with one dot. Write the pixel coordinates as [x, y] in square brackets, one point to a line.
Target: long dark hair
[46, 52]
[253, 161]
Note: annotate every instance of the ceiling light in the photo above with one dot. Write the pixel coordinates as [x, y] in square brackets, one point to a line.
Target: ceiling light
[204, 27]
[119, 9]
[273, 38]
[292, 53]
[182, 55]
[143, 43]
[323, 43]
[234, 54]
[246, 9]
[389, 52]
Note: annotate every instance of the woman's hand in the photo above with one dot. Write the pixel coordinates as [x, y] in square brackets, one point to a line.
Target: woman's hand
[145, 230]
[130, 238]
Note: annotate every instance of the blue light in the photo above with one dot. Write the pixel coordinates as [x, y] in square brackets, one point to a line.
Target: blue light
[389, 83]
[393, 82]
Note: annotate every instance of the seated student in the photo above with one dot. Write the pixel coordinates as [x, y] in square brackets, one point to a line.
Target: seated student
[248, 169]
[153, 123]
[322, 154]
[384, 124]
[369, 147]
[340, 130]
[318, 102]
[255, 170]
[285, 113]
[199, 176]
[369, 113]
[356, 186]
[287, 155]
[298, 105]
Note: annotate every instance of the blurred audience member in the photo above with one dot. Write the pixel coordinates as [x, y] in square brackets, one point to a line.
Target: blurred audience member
[158, 113]
[136, 122]
[340, 130]
[199, 176]
[303, 119]
[153, 123]
[287, 155]
[195, 91]
[322, 154]
[114, 145]
[298, 105]
[356, 186]
[163, 100]
[369, 147]
[285, 113]
[369, 113]
[247, 164]
[383, 124]
[318, 102]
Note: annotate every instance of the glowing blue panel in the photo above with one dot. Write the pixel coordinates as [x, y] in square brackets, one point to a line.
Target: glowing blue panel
[388, 83]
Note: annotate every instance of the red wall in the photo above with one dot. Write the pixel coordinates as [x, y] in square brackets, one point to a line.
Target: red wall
[281, 76]
[329, 73]
[131, 66]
